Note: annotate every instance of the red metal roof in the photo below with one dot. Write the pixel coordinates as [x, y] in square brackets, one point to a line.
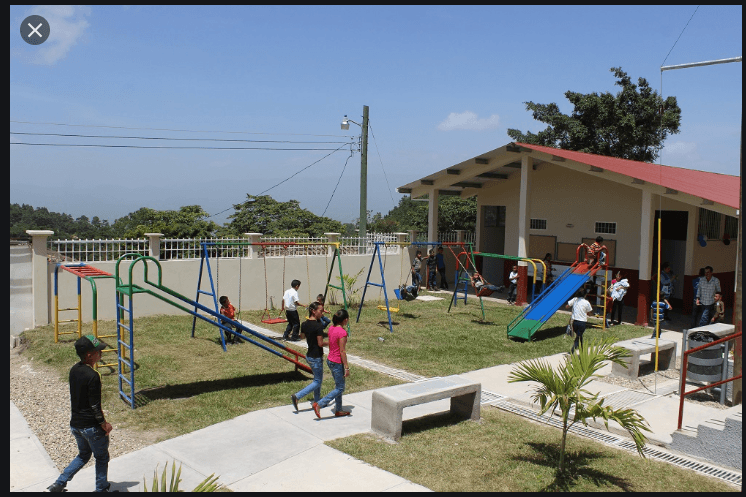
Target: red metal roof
[721, 188]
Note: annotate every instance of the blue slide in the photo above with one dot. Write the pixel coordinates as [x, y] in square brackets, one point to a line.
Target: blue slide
[552, 298]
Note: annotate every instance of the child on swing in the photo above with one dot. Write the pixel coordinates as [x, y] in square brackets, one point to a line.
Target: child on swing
[227, 310]
[323, 319]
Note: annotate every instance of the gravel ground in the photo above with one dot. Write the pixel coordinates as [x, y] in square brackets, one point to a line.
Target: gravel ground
[44, 401]
[647, 383]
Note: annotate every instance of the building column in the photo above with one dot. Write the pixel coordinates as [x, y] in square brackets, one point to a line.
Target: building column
[524, 218]
[689, 270]
[432, 216]
[40, 276]
[154, 245]
[647, 218]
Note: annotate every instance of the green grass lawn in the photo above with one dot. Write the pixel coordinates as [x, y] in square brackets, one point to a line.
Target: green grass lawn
[506, 453]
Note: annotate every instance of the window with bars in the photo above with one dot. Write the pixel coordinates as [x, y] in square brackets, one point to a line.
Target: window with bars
[709, 224]
[606, 228]
[538, 224]
[731, 227]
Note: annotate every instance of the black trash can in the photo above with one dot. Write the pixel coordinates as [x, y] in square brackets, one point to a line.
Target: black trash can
[705, 365]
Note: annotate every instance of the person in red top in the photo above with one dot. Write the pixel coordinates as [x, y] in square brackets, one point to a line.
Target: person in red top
[337, 362]
[593, 251]
[227, 310]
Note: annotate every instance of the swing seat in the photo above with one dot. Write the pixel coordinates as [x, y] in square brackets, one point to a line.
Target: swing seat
[274, 321]
[398, 294]
[392, 309]
[484, 292]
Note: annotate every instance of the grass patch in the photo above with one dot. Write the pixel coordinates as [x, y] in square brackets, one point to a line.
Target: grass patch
[430, 341]
[506, 453]
[184, 384]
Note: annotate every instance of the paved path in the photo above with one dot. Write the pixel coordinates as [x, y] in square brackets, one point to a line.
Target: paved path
[270, 450]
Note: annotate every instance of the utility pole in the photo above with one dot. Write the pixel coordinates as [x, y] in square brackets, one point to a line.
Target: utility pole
[364, 177]
[738, 311]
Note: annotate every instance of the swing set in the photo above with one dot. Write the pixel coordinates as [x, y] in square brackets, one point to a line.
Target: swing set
[382, 266]
[266, 315]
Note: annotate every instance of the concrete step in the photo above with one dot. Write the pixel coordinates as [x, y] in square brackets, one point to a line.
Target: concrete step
[718, 439]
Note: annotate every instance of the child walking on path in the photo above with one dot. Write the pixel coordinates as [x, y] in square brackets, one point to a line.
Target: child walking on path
[314, 331]
[290, 305]
[580, 310]
[337, 362]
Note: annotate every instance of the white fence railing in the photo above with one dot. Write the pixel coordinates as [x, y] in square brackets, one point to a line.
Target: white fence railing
[94, 250]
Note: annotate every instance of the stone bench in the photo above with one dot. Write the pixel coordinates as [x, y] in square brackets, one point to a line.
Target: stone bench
[389, 403]
[640, 346]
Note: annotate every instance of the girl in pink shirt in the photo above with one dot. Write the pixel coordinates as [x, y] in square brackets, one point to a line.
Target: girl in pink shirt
[337, 362]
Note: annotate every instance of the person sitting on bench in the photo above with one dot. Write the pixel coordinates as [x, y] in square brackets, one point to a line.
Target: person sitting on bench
[483, 288]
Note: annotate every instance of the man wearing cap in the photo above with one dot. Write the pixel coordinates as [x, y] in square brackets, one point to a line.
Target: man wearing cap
[87, 422]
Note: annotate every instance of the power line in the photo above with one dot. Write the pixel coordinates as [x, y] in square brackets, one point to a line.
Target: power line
[169, 148]
[165, 138]
[682, 32]
[286, 179]
[179, 130]
[335, 187]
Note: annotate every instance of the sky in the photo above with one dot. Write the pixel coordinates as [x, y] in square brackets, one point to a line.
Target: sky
[443, 84]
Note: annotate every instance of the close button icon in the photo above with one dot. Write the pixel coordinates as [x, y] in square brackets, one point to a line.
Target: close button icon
[34, 30]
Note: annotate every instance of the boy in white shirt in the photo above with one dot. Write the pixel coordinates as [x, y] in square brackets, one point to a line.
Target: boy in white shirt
[512, 290]
[580, 310]
[290, 306]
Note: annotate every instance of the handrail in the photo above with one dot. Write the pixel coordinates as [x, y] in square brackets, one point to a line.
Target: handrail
[684, 360]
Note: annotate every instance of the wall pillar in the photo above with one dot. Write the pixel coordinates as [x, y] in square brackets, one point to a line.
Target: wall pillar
[40, 276]
[524, 217]
[154, 245]
[432, 216]
[253, 238]
[332, 238]
[647, 218]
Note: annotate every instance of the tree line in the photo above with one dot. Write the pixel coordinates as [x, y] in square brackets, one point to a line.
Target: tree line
[257, 214]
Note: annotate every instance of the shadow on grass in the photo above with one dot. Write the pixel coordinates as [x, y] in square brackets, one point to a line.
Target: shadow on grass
[187, 390]
[430, 421]
[479, 321]
[385, 324]
[548, 333]
[576, 467]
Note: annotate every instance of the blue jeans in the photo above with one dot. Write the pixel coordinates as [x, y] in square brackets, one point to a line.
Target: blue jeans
[707, 312]
[325, 321]
[91, 441]
[416, 278]
[317, 366]
[338, 373]
[579, 328]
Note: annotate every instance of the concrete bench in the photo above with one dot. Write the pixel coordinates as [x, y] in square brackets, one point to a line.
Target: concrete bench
[389, 403]
[640, 346]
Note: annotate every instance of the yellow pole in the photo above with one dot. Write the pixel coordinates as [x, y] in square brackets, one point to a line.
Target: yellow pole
[658, 296]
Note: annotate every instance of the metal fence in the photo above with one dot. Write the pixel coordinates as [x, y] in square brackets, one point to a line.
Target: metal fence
[94, 250]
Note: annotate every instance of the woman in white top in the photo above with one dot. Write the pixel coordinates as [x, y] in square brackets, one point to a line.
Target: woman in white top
[580, 310]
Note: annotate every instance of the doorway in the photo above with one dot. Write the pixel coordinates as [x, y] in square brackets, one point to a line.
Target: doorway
[673, 248]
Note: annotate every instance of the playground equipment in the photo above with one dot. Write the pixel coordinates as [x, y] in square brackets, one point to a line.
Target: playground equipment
[125, 327]
[551, 298]
[90, 274]
[266, 317]
[382, 285]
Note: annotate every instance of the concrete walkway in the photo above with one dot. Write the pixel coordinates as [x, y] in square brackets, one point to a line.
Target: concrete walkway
[278, 449]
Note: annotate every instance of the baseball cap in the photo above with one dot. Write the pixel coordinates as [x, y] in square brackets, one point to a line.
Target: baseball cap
[88, 343]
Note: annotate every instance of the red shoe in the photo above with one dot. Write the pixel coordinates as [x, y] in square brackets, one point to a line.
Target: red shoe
[316, 410]
[339, 414]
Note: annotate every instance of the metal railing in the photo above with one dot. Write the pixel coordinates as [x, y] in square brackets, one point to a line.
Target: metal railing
[684, 360]
[94, 250]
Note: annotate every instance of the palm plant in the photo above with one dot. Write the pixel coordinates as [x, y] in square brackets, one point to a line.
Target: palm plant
[209, 484]
[565, 389]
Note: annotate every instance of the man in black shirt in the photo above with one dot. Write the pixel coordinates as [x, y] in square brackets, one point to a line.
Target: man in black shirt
[87, 422]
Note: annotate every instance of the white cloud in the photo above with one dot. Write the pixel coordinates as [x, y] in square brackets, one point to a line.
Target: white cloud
[680, 148]
[67, 24]
[469, 120]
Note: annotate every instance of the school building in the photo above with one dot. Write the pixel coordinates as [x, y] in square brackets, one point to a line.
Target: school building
[533, 200]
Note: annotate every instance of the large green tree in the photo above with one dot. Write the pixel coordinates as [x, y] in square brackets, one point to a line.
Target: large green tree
[189, 221]
[263, 214]
[26, 217]
[454, 213]
[631, 124]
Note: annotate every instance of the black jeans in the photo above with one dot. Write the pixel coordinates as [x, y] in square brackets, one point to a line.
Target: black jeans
[579, 328]
[293, 324]
[616, 310]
